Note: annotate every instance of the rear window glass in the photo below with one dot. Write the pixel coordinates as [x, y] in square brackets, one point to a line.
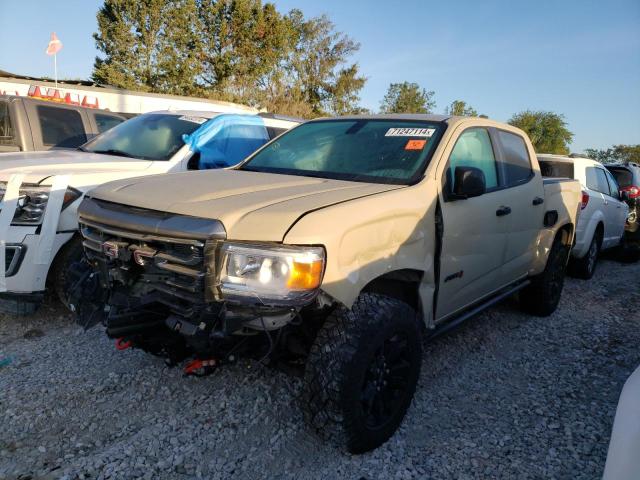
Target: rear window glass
[61, 127]
[7, 136]
[516, 161]
[105, 122]
[556, 169]
[623, 176]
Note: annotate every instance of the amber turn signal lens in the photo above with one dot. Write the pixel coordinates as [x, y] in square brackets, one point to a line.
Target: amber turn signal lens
[305, 276]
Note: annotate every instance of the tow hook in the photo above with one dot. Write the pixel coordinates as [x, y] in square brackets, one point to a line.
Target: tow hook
[201, 368]
[122, 344]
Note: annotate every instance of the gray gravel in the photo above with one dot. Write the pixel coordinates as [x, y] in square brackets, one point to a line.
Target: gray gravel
[505, 396]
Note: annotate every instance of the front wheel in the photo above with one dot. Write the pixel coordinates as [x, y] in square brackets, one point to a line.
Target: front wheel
[362, 372]
[69, 254]
[542, 296]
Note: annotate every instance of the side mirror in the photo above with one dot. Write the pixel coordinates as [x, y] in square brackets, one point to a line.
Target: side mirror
[468, 182]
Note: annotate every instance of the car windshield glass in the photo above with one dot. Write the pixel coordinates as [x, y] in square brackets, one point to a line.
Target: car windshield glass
[152, 136]
[367, 150]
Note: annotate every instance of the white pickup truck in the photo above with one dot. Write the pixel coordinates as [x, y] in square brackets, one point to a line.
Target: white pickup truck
[38, 232]
[335, 246]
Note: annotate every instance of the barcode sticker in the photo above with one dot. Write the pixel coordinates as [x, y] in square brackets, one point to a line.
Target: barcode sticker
[410, 132]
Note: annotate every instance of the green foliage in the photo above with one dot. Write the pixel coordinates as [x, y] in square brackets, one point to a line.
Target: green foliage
[460, 108]
[547, 130]
[618, 153]
[237, 50]
[407, 97]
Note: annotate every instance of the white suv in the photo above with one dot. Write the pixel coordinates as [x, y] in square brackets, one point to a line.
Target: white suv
[39, 231]
[603, 214]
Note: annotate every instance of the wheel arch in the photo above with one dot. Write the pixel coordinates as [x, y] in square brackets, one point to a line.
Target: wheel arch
[402, 284]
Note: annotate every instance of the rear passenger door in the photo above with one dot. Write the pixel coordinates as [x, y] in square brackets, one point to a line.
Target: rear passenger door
[525, 193]
[473, 230]
[598, 184]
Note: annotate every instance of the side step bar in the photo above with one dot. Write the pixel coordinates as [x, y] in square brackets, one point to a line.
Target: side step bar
[456, 321]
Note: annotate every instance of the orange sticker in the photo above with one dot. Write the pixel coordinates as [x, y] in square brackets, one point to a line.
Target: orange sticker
[415, 144]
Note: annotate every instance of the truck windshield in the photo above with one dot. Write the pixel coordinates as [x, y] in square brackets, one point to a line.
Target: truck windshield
[366, 150]
[153, 136]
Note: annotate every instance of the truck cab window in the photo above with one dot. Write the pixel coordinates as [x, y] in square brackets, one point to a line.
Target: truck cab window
[105, 122]
[61, 127]
[473, 149]
[516, 161]
[7, 136]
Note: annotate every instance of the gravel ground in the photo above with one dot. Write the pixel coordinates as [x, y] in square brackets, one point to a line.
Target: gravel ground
[505, 396]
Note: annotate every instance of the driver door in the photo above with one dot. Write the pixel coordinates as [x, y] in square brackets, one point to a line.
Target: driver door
[475, 230]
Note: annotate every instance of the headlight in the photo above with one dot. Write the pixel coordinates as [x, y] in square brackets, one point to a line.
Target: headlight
[32, 203]
[275, 274]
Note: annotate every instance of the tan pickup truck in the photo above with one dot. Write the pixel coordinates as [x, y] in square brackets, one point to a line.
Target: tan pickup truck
[338, 246]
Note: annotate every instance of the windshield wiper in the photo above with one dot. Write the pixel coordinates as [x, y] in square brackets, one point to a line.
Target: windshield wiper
[112, 151]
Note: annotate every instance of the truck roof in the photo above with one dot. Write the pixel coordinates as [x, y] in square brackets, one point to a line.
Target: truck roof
[392, 116]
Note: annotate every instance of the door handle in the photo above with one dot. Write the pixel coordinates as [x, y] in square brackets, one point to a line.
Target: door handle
[538, 201]
[502, 211]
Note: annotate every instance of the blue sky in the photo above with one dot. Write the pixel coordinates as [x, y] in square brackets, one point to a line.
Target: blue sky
[578, 58]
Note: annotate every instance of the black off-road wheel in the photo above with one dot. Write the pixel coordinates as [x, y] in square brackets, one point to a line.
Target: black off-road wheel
[585, 267]
[542, 296]
[59, 278]
[362, 372]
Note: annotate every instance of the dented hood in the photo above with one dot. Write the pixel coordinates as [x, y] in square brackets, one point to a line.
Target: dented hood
[87, 169]
[251, 205]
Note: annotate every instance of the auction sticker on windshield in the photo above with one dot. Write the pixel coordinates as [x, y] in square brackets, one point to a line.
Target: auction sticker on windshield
[410, 132]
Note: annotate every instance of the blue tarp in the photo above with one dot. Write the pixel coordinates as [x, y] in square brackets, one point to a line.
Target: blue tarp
[227, 139]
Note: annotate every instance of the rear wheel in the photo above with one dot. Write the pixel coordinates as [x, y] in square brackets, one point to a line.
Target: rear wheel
[542, 296]
[362, 372]
[585, 267]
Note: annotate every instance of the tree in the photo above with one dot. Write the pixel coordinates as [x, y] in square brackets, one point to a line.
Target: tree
[618, 153]
[547, 130]
[237, 50]
[315, 78]
[460, 108]
[407, 97]
[243, 41]
[148, 45]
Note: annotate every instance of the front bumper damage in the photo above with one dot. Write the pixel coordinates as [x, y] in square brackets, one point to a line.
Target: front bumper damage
[149, 277]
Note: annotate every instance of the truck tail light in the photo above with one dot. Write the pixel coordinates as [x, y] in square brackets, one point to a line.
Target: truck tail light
[585, 200]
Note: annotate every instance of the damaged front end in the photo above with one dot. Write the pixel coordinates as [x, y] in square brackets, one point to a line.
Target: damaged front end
[173, 286]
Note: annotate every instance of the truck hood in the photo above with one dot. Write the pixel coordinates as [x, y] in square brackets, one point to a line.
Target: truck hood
[251, 205]
[87, 169]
